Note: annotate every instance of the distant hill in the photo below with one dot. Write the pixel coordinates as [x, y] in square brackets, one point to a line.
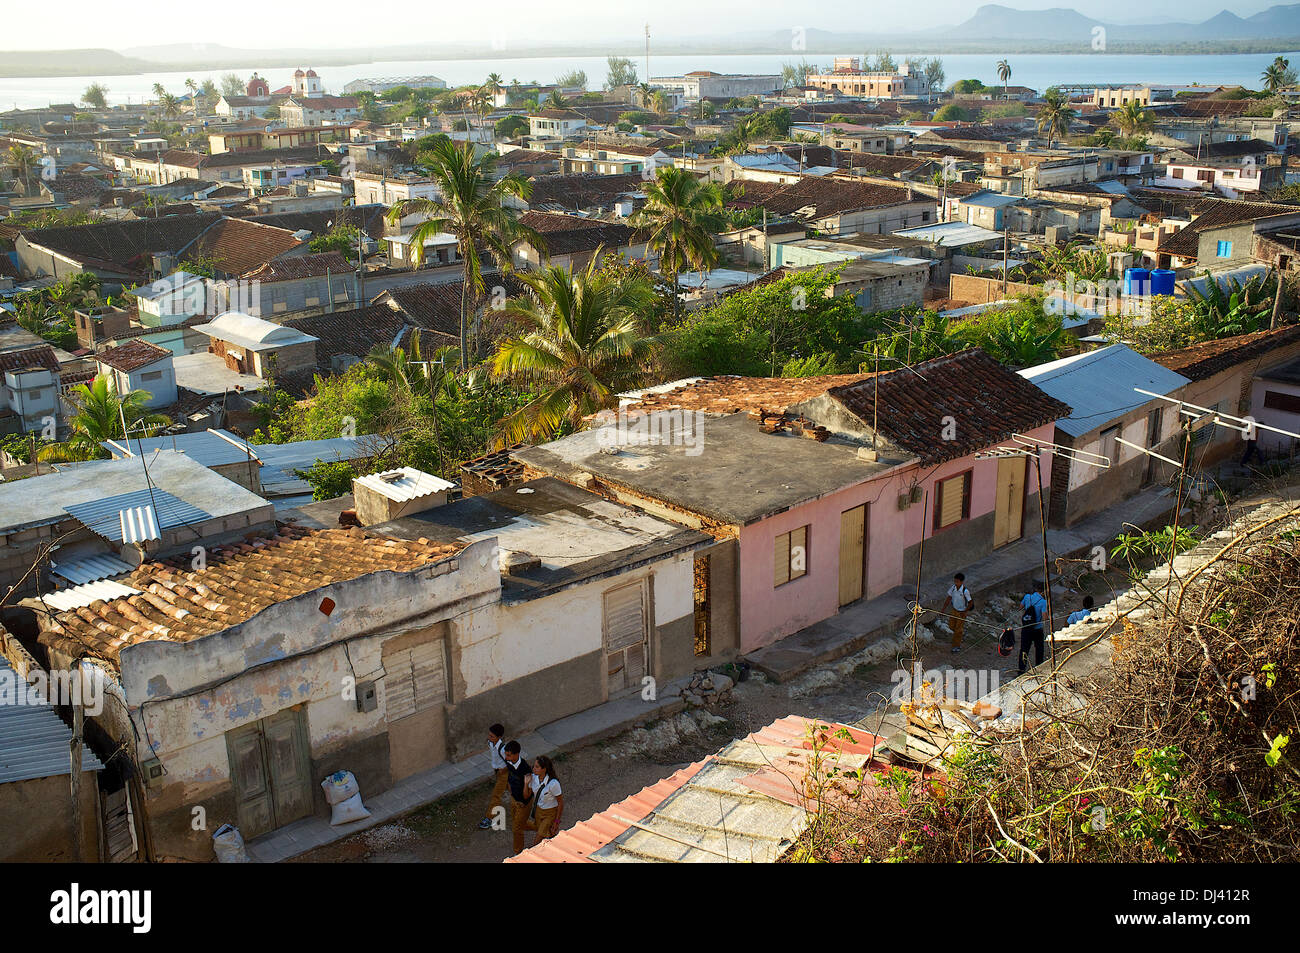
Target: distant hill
[993, 21]
[69, 63]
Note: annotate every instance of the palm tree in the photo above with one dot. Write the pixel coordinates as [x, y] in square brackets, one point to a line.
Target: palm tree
[659, 102]
[933, 336]
[556, 101]
[1004, 74]
[580, 343]
[171, 105]
[643, 94]
[494, 86]
[681, 215]
[98, 416]
[1132, 119]
[409, 372]
[193, 87]
[1055, 116]
[23, 160]
[1021, 341]
[1277, 75]
[471, 206]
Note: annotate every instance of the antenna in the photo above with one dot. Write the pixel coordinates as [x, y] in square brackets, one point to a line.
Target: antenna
[1233, 422]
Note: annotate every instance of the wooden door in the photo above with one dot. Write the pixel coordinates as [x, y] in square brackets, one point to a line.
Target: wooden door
[1009, 506]
[626, 634]
[853, 550]
[270, 770]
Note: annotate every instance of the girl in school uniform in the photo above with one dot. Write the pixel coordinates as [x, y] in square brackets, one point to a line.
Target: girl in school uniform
[548, 797]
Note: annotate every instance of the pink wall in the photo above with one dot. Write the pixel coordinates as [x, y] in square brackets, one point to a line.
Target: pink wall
[768, 614]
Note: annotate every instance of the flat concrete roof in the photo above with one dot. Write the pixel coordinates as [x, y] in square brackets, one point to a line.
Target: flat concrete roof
[577, 535]
[43, 499]
[207, 375]
[734, 473]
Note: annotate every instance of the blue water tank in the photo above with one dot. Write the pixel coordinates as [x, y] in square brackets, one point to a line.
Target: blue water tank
[1136, 281]
[1162, 281]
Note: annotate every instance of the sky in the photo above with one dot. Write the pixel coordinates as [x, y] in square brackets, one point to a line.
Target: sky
[507, 24]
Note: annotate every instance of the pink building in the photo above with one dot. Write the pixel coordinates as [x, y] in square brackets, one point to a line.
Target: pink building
[785, 469]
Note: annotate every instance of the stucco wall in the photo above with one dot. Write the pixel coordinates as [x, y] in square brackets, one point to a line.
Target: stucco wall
[1273, 416]
[38, 821]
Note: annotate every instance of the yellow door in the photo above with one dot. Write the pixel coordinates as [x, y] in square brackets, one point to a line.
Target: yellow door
[853, 537]
[1009, 507]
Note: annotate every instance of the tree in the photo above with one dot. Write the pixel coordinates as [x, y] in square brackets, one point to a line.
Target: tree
[96, 96]
[622, 72]
[884, 63]
[97, 416]
[1020, 335]
[951, 113]
[1278, 75]
[796, 74]
[193, 89]
[580, 343]
[556, 100]
[170, 105]
[932, 336]
[1004, 74]
[208, 93]
[1131, 119]
[681, 215]
[510, 127]
[24, 161]
[494, 85]
[342, 238]
[231, 85]
[573, 79]
[934, 73]
[659, 103]
[470, 205]
[1054, 116]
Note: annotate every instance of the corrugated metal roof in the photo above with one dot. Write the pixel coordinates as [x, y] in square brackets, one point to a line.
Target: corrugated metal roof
[205, 447]
[34, 741]
[103, 517]
[75, 597]
[139, 524]
[89, 568]
[744, 804]
[405, 483]
[1099, 385]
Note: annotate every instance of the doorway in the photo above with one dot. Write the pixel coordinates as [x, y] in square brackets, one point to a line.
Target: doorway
[853, 554]
[270, 770]
[1009, 505]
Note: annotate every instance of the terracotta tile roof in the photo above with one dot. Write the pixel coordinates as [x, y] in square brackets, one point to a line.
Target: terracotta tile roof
[734, 395]
[1201, 361]
[970, 134]
[582, 191]
[303, 266]
[988, 402]
[1219, 213]
[823, 196]
[526, 157]
[355, 333]
[238, 246]
[132, 356]
[239, 581]
[566, 234]
[436, 306]
[126, 245]
[42, 355]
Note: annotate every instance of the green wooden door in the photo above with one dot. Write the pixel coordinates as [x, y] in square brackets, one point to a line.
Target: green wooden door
[270, 770]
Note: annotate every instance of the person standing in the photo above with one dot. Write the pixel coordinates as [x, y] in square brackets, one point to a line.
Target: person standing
[549, 797]
[517, 774]
[1031, 625]
[1082, 613]
[959, 602]
[496, 745]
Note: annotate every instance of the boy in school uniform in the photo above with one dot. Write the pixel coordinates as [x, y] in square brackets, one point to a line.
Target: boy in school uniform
[549, 798]
[1031, 621]
[959, 601]
[517, 773]
[496, 744]
[1082, 613]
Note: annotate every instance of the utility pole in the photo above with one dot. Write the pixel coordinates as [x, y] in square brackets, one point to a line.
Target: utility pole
[1006, 248]
[361, 272]
[647, 54]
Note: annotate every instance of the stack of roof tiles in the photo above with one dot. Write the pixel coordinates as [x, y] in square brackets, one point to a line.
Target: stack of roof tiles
[731, 395]
[491, 471]
[239, 581]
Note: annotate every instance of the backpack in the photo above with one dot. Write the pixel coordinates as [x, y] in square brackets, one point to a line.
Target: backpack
[970, 600]
[1029, 618]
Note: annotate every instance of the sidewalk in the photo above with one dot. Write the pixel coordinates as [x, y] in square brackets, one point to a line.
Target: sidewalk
[575, 731]
[862, 623]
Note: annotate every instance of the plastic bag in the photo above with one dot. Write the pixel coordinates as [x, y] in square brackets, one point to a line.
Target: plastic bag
[345, 812]
[339, 786]
[229, 845]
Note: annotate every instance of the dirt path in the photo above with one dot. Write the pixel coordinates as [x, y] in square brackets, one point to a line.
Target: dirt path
[851, 690]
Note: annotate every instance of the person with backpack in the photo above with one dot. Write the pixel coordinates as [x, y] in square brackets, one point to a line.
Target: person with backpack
[1031, 625]
[960, 602]
[517, 773]
[496, 745]
[1082, 613]
[548, 799]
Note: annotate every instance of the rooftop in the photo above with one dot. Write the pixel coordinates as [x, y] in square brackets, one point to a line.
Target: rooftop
[1202, 361]
[34, 741]
[251, 332]
[238, 582]
[1099, 385]
[132, 355]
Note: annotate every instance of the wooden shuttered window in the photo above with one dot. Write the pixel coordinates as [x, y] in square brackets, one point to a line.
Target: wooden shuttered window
[790, 556]
[626, 632]
[415, 679]
[953, 503]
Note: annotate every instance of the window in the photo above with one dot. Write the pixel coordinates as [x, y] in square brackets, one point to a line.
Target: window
[151, 376]
[790, 556]
[952, 500]
[1276, 400]
[1224, 250]
[1108, 446]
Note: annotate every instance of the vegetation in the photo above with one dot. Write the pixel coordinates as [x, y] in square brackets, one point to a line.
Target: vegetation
[1203, 316]
[951, 113]
[471, 207]
[1055, 116]
[622, 72]
[98, 412]
[48, 312]
[342, 238]
[96, 96]
[1004, 74]
[681, 215]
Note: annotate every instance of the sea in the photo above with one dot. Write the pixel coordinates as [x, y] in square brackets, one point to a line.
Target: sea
[1037, 71]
